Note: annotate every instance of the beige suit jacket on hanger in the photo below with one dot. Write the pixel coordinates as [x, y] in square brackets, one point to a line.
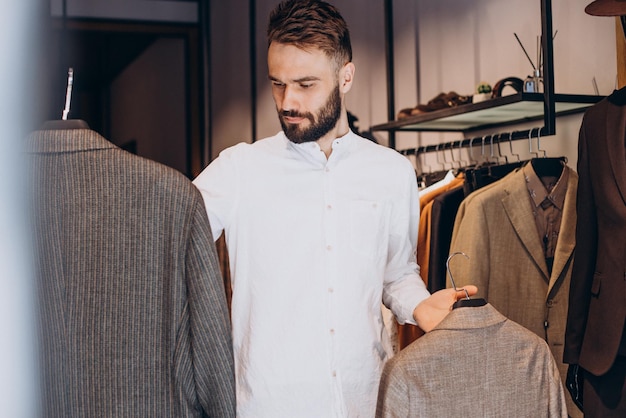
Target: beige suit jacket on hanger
[475, 363]
[495, 227]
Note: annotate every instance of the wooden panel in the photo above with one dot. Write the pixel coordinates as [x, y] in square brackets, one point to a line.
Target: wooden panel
[621, 53]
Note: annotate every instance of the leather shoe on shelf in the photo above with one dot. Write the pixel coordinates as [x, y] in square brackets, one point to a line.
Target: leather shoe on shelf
[441, 101]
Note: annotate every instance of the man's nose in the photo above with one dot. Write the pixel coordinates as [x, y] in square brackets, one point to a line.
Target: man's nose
[290, 99]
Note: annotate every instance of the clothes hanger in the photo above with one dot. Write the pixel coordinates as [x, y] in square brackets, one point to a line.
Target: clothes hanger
[462, 163]
[470, 182]
[466, 302]
[65, 123]
[423, 168]
[544, 166]
[511, 147]
[503, 168]
[435, 176]
[490, 173]
[484, 159]
[500, 155]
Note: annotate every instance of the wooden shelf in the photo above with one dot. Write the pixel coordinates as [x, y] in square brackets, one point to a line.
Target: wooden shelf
[501, 111]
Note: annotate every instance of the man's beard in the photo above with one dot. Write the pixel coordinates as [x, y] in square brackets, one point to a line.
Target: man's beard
[326, 120]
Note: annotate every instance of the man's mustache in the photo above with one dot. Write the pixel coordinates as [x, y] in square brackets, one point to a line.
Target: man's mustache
[291, 113]
[296, 114]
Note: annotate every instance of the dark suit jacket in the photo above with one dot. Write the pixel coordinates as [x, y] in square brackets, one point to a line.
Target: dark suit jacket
[597, 304]
[444, 211]
[134, 321]
[475, 363]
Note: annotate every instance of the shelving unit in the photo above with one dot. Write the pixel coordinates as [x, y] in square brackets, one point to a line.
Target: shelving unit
[497, 112]
[500, 111]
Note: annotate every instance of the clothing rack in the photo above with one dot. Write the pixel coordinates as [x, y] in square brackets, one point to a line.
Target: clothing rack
[481, 141]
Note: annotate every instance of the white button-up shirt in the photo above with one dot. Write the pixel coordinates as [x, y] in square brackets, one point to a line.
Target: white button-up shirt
[315, 245]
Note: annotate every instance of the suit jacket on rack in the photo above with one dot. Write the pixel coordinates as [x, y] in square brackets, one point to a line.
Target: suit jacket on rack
[475, 363]
[134, 319]
[598, 291]
[495, 227]
[444, 211]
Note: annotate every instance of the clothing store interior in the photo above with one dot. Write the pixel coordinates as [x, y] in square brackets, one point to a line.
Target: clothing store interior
[499, 107]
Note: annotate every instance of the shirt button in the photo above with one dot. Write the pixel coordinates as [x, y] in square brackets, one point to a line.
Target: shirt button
[332, 331]
[329, 207]
[327, 169]
[334, 373]
[331, 290]
[329, 247]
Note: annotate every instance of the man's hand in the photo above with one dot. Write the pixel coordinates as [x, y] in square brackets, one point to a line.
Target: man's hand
[429, 313]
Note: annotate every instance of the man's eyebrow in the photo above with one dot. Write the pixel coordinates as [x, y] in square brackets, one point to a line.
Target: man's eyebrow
[298, 80]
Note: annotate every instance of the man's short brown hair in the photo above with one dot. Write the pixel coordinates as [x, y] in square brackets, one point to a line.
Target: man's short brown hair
[310, 23]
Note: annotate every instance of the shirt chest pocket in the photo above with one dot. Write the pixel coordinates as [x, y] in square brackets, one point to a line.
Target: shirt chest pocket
[368, 227]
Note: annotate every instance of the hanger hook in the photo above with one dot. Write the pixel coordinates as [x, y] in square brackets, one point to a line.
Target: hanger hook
[471, 151]
[491, 154]
[511, 145]
[530, 143]
[454, 161]
[482, 148]
[450, 272]
[461, 161]
[68, 93]
[506, 158]
[445, 160]
[539, 147]
[421, 162]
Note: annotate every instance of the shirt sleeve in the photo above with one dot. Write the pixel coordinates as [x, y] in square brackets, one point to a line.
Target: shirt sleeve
[403, 288]
[218, 184]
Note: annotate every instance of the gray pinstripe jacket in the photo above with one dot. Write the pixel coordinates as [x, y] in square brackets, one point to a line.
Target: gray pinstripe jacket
[134, 321]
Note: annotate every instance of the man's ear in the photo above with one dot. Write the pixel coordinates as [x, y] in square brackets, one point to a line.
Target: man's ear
[346, 77]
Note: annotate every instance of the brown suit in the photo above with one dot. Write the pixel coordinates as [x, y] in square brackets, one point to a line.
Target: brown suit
[597, 310]
[495, 227]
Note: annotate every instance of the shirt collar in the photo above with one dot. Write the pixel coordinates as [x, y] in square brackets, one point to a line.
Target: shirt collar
[311, 150]
[539, 192]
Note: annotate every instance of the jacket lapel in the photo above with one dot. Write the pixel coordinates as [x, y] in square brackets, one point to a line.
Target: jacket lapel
[520, 215]
[615, 133]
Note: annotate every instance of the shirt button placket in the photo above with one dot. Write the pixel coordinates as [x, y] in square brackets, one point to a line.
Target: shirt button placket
[330, 231]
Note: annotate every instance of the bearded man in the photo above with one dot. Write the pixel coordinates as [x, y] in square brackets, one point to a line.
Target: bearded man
[321, 227]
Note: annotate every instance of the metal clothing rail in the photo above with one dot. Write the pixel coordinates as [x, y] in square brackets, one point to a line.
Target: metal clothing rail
[489, 140]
